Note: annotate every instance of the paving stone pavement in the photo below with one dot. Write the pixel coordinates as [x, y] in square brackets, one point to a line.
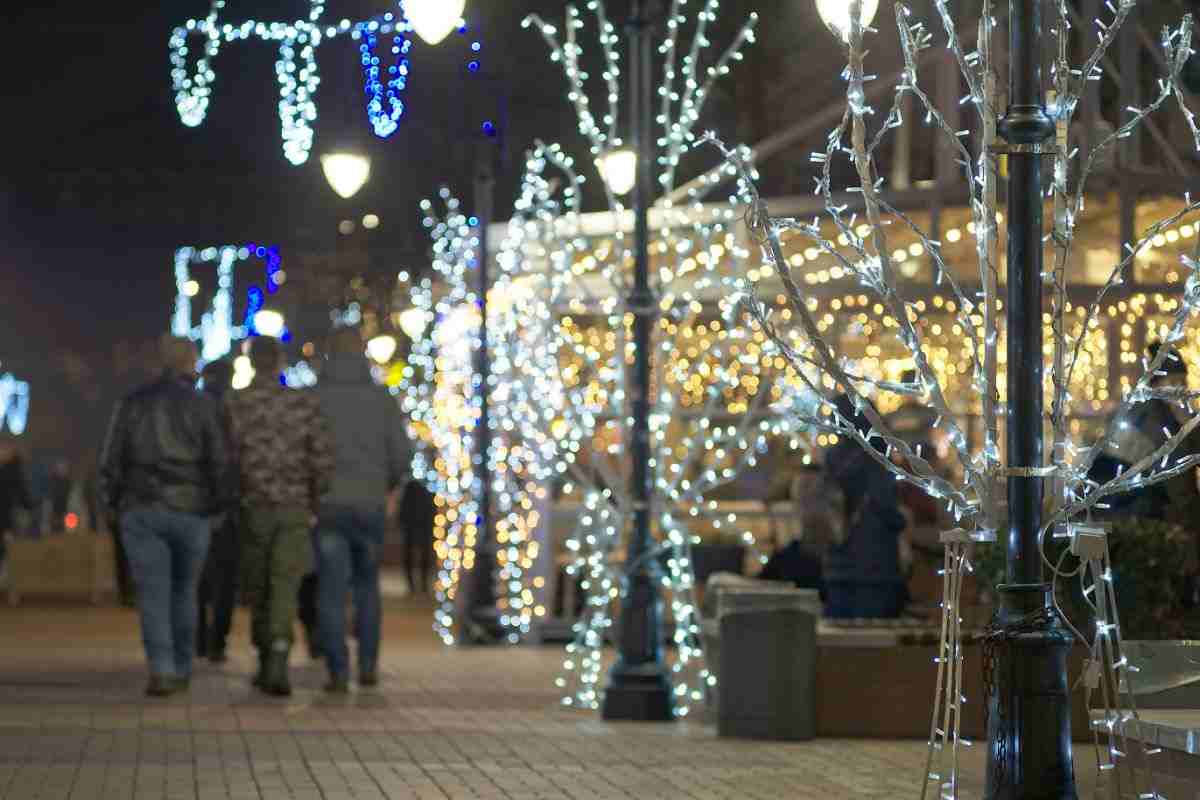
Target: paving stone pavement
[461, 723]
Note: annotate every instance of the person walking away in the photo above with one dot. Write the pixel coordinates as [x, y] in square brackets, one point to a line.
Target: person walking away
[218, 582]
[862, 572]
[164, 471]
[14, 494]
[373, 458]
[281, 446]
[416, 519]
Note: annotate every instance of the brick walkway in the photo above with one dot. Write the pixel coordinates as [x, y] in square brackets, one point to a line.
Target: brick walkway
[479, 723]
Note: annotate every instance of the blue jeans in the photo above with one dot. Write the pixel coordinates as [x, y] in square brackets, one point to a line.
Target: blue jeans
[166, 551]
[349, 541]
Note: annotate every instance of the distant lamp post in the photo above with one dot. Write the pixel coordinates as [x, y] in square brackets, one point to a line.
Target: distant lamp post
[413, 322]
[346, 172]
[269, 323]
[382, 348]
[434, 20]
[836, 15]
[619, 170]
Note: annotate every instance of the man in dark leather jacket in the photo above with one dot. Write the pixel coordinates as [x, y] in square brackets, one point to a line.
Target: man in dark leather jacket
[163, 472]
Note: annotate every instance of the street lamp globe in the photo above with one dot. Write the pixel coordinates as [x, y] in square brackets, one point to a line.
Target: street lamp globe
[269, 323]
[618, 168]
[413, 322]
[434, 20]
[836, 15]
[346, 172]
[382, 348]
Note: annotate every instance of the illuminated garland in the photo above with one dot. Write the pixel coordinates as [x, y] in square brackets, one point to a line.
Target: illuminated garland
[297, 69]
[438, 393]
[216, 331]
[708, 421]
[863, 255]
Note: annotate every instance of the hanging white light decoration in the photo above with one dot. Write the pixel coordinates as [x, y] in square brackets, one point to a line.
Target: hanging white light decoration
[618, 168]
[382, 348]
[297, 71]
[347, 173]
[434, 20]
[836, 15]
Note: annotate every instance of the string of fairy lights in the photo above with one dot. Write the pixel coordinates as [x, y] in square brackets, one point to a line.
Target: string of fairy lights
[708, 421]
[297, 69]
[438, 391]
[861, 247]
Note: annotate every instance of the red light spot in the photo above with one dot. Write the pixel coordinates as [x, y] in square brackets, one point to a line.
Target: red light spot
[72, 521]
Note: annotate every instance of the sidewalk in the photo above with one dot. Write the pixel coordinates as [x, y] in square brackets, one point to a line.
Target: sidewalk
[471, 723]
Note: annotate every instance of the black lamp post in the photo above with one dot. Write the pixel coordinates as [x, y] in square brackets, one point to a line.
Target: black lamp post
[639, 687]
[1029, 706]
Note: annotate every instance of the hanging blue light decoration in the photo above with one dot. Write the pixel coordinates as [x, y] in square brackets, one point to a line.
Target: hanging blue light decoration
[384, 106]
[195, 45]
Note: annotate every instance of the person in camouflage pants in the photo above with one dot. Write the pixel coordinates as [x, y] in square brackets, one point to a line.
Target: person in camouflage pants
[285, 463]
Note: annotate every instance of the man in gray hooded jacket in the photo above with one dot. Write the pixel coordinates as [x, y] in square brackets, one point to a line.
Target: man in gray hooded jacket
[372, 457]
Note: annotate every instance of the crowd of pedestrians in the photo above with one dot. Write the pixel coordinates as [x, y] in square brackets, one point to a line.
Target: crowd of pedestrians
[218, 496]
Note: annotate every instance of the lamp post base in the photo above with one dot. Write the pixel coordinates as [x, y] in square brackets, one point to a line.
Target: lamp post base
[1029, 705]
[638, 694]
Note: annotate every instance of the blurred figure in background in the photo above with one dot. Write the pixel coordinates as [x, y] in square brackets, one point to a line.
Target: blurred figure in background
[373, 458]
[218, 582]
[863, 578]
[284, 464]
[416, 518]
[14, 494]
[58, 499]
[164, 472]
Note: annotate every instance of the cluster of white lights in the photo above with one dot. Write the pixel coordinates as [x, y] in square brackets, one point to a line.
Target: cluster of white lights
[439, 394]
[14, 404]
[702, 438]
[683, 91]
[216, 331]
[297, 70]
[862, 254]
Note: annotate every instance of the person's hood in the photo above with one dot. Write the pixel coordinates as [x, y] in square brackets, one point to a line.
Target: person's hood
[346, 369]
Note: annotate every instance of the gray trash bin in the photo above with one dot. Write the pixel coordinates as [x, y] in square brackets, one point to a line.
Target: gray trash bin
[768, 666]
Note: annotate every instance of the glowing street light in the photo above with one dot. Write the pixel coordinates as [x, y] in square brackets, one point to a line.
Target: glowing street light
[434, 20]
[382, 348]
[346, 172]
[269, 323]
[836, 15]
[413, 322]
[618, 168]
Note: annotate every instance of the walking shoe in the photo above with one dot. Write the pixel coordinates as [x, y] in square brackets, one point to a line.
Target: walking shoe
[368, 678]
[275, 679]
[183, 684]
[217, 655]
[337, 685]
[161, 686]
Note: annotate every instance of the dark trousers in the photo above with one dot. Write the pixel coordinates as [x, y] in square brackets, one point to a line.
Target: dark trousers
[124, 578]
[306, 610]
[218, 590]
[349, 542]
[418, 556]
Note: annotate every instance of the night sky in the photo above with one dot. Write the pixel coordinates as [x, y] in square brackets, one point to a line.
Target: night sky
[101, 182]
